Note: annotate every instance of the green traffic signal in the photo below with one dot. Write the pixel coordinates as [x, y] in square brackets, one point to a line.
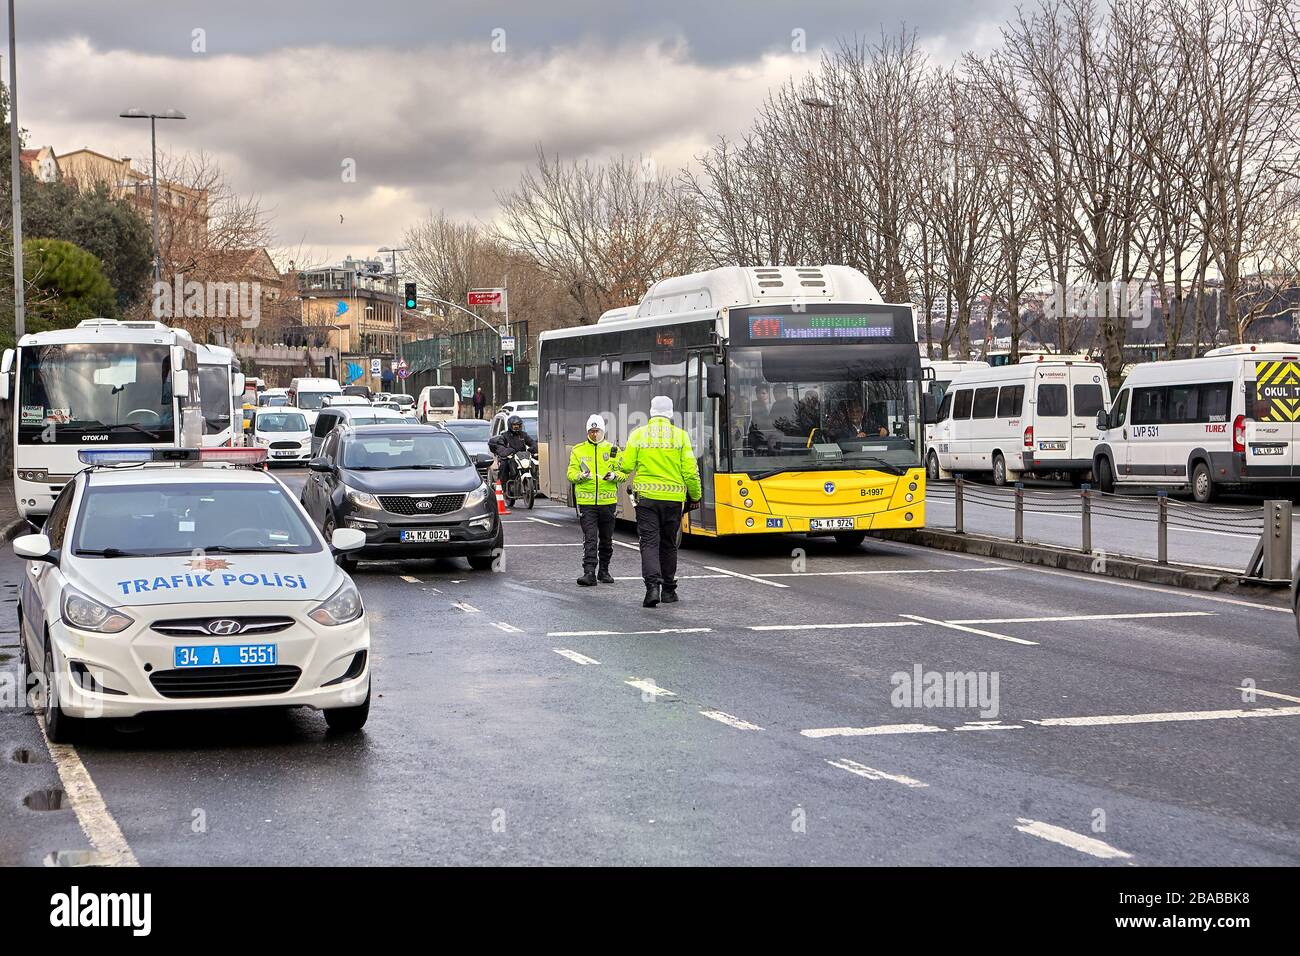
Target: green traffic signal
[410, 295]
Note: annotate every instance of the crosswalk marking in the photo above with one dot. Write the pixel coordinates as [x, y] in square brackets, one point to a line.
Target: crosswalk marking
[870, 773]
[1075, 841]
[574, 656]
[729, 720]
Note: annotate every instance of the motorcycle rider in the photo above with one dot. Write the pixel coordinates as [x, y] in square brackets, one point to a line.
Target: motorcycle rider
[513, 439]
[595, 476]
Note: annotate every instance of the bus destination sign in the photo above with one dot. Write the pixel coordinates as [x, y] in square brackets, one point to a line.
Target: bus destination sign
[769, 327]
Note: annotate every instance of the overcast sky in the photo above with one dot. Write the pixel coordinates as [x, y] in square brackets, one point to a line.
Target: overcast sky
[283, 93]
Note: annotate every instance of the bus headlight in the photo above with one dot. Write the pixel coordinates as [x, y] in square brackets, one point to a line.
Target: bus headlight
[908, 497]
[749, 502]
[911, 487]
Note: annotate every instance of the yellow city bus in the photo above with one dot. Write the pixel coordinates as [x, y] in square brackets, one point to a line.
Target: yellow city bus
[800, 388]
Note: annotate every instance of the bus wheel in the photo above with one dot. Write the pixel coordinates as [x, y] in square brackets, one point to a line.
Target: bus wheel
[1203, 489]
[999, 470]
[850, 539]
[1105, 477]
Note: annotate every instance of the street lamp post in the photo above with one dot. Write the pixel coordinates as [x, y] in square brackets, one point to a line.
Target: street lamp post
[153, 151]
[401, 305]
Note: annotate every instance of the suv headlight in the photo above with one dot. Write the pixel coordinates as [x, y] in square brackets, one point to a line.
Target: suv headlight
[363, 498]
[477, 496]
[87, 614]
[343, 605]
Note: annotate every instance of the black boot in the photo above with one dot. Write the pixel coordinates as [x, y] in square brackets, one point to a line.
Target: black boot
[651, 595]
[588, 580]
[669, 594]
[604, 577]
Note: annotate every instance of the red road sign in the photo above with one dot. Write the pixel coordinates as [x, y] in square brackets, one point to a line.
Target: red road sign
[485, 297]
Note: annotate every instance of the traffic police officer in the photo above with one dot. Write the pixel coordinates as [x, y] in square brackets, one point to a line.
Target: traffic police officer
[593, 470]
[665, 476]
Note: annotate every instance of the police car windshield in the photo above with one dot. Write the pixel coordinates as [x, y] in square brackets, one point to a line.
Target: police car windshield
[171, 518]
[389, 452]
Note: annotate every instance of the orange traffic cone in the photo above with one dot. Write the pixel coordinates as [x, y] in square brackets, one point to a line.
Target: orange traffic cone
[501, 500]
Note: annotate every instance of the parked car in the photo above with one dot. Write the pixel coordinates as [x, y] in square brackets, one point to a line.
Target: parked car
[410, 488]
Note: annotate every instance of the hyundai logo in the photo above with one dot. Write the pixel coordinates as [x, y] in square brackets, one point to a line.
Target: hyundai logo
[424, 505]
[829, 487]
[224, 627]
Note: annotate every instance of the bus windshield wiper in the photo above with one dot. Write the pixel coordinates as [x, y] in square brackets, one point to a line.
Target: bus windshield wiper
[888, 466]
[132, 425]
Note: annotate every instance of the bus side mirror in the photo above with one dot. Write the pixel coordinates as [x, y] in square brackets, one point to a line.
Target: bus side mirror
[237, 384]
[716, 386]
[180, 382]
[4, 386]
[1103, 420]
[928, 410]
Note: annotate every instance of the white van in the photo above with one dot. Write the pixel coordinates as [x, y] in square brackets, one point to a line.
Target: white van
[1228, 419]
[438, 403]
[309, 394]
[284, 433]
[944, 372]
[1035, 418]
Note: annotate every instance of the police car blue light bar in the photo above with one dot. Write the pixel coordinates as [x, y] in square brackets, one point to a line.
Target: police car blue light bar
[138, 456]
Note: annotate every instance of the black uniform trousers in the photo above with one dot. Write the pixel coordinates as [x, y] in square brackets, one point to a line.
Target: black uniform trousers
[597, 535]
[658, 524]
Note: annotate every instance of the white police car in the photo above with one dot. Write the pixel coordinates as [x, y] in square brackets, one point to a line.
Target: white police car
[188, 587]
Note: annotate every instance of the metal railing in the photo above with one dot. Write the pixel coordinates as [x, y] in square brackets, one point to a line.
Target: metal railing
[1271, 521]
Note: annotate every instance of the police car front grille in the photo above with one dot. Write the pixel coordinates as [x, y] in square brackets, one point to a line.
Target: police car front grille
[198, 626]
[225, 681]
[409, 504]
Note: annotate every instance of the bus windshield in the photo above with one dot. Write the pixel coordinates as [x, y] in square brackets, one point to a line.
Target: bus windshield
[796, 408]
[122, 391]
[214, 396]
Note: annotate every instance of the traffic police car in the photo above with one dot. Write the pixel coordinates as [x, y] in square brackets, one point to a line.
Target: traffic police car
[162, 583]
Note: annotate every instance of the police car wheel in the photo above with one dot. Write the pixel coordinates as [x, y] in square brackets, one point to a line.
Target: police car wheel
[348, 720]
[59, 727]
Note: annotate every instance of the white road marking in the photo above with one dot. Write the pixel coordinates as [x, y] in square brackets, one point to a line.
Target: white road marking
[649, 687]
[730, 720]
[1271, 693]
[411, 580]
[837, 574]
[971, 630]
[624, 544]
[1103, 579]
[551, 524]
[883, 729]
[1081, 617]
[662, 630]
[574, 656]
[1075, 841]
[555, 544]
[852, 766]
[92, 813]
[988, 725]
[508, 628]
[1107, 720]
[467, 608]
[818, 627]
[747, 577]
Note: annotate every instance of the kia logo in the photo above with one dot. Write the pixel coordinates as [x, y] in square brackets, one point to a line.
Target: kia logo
[424, 505]
[224, 627]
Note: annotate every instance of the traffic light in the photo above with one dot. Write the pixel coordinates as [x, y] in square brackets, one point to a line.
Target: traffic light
[410, 295]
[508, 364]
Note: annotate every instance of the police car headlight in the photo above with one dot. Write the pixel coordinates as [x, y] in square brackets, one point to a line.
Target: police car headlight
[344, 605]
[363, 498]
[87, 614]
[477, 496]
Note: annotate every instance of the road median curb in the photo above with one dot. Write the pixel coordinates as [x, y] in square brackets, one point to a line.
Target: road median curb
[1108, 565]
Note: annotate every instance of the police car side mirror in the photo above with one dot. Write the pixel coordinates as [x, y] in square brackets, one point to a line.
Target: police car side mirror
[715, 386]
[35, 547]
[347, 539]
[1103, 420]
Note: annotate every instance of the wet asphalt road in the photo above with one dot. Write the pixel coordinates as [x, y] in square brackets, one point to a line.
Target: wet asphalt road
[758, 727]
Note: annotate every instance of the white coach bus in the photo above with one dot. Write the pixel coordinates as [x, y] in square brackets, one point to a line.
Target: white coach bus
[220, 383]
[103, 383]
[1035, 418]
[1227, 420]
